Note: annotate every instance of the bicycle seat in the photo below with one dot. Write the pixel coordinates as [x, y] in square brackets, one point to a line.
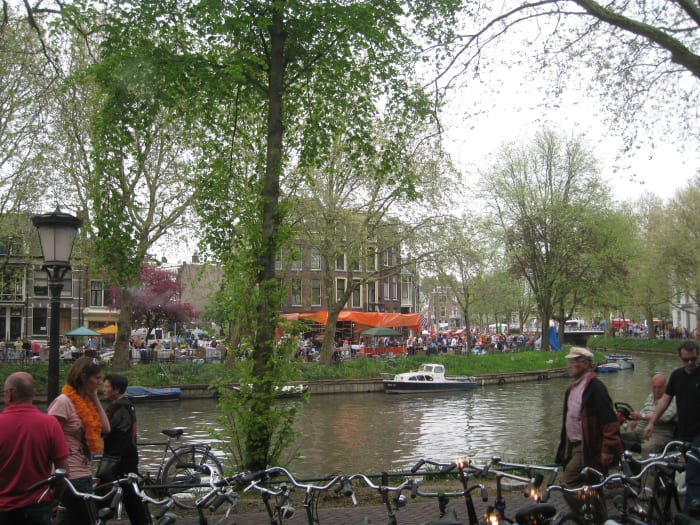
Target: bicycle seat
[173, 432]
[535, 514]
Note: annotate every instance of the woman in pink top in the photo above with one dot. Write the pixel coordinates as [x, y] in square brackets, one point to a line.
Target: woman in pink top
[83, 420]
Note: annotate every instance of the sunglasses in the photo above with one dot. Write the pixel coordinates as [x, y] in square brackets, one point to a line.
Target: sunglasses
[689, 359]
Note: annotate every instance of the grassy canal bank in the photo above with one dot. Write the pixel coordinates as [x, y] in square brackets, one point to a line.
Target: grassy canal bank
[187, 373]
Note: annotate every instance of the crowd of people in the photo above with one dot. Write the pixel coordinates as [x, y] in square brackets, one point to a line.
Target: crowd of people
[76, 427]
[479, 342]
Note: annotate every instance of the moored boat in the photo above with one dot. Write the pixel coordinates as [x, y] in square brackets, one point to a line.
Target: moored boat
[287, 391]
[430, 377]
[607, 368]
[625, 361]
[142, 393]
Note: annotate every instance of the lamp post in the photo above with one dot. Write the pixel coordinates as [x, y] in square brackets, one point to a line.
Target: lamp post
[57, 232]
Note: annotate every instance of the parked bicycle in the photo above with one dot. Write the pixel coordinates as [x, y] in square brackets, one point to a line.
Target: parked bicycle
[392, 496]
[103, 507]
[277, 494]
[184, 471]
[531, 484]
[465, 469]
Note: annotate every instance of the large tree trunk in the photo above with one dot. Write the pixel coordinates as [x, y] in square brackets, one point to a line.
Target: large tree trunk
[329, 336]
[259, 437]
[122, 359]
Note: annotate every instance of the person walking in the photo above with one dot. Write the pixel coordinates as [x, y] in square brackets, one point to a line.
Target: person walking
[121, 442]
[83, 420]
[684, 386]
[590, 432]
[30, 443]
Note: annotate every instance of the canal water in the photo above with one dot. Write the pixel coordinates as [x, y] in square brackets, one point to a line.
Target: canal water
[379, 432]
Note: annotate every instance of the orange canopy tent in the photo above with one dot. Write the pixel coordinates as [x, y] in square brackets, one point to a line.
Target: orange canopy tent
[411, 321]
[108, 330]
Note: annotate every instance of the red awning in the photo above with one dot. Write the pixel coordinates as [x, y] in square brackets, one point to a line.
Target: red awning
[411, 321]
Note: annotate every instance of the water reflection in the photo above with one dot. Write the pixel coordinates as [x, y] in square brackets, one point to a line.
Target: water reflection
[375, 432]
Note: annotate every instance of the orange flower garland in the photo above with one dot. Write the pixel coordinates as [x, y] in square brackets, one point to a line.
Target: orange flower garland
[87, 412]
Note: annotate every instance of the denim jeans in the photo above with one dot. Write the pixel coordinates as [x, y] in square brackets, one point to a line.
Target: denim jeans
[692, 479]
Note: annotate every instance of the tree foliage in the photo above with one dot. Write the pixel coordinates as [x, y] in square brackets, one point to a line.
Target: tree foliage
[555, 218]
[363, 203]
[25, 89]
[643, 57]
[157, 302]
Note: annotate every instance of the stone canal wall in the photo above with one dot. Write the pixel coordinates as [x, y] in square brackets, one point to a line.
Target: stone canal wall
[360, 386]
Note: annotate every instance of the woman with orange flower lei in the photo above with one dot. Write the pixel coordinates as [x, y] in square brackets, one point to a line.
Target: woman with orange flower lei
[80, 413]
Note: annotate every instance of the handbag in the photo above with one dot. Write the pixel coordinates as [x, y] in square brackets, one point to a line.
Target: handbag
[107, 470]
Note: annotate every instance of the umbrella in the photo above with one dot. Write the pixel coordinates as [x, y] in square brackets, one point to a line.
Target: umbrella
[381, 331]
[82, 331]
[108, 330]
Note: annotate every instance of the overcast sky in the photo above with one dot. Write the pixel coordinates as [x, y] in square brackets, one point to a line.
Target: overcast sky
[506, 104]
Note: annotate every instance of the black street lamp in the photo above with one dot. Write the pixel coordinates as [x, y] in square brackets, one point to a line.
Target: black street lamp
[57, 232]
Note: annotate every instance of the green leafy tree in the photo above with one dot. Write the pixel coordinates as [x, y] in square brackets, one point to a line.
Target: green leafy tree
[459, 259]
[681, 240]
[360, 206]
[546, 199]
[25, 86]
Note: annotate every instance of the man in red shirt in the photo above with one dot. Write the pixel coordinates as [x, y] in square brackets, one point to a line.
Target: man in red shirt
[31, 445]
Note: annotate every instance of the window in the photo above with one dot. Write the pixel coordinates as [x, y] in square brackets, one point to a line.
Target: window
[356, 265]
[39, 321]
[10, 247]
[296, 292]
[11, 285]
[339, 289]
[405, 287]
[371, 260]
[67, 285]
[340, 263]
[315, 259]
[372, 292]
[41, 284]
[385, 257]
[296, 255]
[394, 288]
[96, 293]
[278, 260]
[356, 294]
[385, 295]
[315, 292]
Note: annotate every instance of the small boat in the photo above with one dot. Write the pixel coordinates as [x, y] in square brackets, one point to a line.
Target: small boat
[430, 377]
[142, 393]
[607, 368]
[286, 392]
[625, 361]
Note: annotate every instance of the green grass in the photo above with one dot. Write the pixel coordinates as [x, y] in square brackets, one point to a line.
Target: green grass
[634, 343]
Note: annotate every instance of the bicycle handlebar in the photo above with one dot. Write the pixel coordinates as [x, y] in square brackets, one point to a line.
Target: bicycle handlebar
[612, 478]
[59, 476]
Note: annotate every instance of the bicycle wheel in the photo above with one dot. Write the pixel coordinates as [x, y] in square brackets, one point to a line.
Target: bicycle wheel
[187, 474]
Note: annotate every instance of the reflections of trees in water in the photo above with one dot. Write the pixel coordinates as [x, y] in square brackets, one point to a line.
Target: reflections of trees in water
[376, 432]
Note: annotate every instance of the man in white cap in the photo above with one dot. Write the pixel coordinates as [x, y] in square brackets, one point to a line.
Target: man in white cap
[590, 433]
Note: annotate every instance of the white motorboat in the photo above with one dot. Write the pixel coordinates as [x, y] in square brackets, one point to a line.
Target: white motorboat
[625, 361]
[430, 377]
